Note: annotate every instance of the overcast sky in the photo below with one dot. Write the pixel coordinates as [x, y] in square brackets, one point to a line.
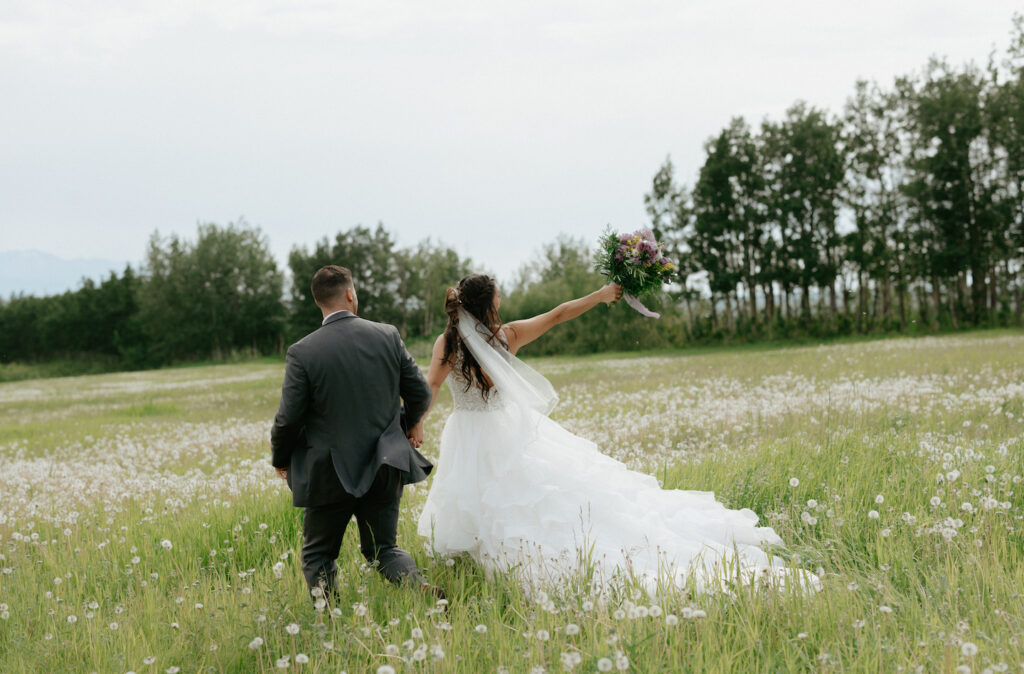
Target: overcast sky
[489, 126]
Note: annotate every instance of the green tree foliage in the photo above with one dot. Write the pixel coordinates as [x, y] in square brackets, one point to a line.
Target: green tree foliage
[729, 233]
[369, 254]
[211, 297]
[906, 213]
[564, 270]
[427, 271]
[98, 321]
[951, 188]
[404, 287]
[804, 171]
[1005, 118]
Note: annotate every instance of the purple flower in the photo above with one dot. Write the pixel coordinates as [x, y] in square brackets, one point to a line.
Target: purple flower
[618, 257]
[647, 234]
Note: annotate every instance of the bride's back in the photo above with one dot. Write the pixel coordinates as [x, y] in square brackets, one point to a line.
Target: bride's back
[466, 393]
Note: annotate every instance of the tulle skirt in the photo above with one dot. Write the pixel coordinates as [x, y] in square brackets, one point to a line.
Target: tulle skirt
[521, 494]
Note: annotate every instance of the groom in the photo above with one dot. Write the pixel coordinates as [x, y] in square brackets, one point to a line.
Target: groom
[338, 435]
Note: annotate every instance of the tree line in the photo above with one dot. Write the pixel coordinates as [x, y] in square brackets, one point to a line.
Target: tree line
[222, 295]
[907, 208]
[903, 213]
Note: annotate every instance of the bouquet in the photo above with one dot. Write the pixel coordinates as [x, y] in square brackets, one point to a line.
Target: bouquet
[637, 262]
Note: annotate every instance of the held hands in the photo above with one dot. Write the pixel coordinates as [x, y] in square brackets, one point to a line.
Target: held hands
[282, 473]
[611, 293]
[415, 435]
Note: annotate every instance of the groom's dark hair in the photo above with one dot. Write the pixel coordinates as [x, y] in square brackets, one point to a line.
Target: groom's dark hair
[329, 284]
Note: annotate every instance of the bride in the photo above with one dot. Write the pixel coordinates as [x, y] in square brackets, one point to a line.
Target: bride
[523, 495]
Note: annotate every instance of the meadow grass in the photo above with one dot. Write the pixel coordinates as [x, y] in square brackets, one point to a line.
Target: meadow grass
[142, 529]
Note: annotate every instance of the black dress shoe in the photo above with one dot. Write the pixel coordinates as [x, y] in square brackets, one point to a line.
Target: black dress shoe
[439, 595]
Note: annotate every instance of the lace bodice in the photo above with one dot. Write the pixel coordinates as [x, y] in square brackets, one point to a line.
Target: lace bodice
[473, 398]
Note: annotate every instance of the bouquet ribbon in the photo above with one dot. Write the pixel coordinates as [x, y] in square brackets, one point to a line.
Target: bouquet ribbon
[636, 304]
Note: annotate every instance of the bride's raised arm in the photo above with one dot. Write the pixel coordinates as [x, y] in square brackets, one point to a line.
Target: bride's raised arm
[522, 332]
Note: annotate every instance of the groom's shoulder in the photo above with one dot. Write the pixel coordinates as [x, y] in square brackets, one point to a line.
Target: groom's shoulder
[353, 326]
[362, 325]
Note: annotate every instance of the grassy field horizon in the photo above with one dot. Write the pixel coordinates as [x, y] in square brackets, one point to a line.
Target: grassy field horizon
[420, 349]
[142, 529]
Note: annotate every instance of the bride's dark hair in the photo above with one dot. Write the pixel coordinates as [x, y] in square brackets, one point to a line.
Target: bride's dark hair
[475, 294]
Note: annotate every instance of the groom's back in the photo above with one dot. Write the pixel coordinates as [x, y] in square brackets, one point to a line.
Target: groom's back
[355, 371]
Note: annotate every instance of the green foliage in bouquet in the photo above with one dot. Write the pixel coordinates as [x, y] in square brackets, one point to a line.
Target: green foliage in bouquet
[636, 261]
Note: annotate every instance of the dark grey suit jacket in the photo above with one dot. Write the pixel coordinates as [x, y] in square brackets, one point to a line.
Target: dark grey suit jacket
[341, 415]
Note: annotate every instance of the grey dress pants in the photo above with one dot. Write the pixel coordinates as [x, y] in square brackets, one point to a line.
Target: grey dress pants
[376, 513]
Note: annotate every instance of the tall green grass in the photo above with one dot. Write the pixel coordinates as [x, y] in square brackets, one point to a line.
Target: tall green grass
[926, 585]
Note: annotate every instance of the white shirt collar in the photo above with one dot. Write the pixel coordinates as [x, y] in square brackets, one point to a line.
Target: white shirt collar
[334, 313]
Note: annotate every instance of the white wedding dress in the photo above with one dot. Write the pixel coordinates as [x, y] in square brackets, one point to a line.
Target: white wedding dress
[521, 494]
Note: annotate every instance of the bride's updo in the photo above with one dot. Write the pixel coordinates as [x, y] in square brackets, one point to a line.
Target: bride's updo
[475, 294]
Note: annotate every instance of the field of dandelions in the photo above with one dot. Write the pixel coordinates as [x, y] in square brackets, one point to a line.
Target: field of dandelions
[143, 530]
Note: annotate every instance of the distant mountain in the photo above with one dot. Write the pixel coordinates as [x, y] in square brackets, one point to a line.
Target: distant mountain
[34, 272]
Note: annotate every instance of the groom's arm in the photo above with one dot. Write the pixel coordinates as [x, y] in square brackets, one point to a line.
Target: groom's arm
[288, 422]
[412, 385]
